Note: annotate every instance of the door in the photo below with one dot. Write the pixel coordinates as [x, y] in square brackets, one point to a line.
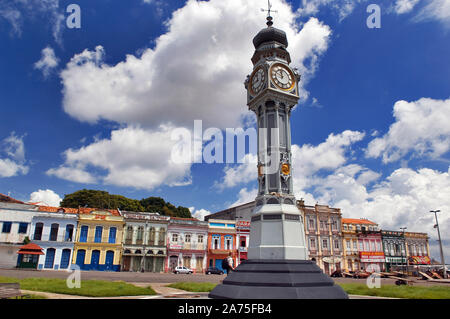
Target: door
[109, 260]
[95, 258]
[65, 258]
[218, 264]
[199, 267]
[126, 263]
[81, 254]
[49, 258]
[326, 268]
[173, 262]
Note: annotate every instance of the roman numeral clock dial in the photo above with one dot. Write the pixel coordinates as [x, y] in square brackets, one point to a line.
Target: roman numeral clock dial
[282, 77]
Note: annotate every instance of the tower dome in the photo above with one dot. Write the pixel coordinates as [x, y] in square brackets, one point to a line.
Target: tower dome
[270, 34]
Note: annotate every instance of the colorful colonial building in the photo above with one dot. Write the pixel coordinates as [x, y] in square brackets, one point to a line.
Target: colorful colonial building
[54, 229]
[394, 249]
[186, 246]
[15, 227]
[417, 249]
[242, 240]
[144, 241]
[221, 241]
[370, 248]
[98, 244]
[323, 235]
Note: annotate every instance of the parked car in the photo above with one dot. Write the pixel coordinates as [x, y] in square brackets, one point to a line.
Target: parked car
[214, 270]
[182, 270]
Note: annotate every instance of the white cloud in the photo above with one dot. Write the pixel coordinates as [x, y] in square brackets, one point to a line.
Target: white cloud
[45, 198]
[343, 8]
[131, 157]
[195, 71]
[15, 12]
[404, 6]
[435, 10]
[420, 127]
[404, 199]
[238, 174]
[14, 163]
[199, 213]
[245, 196]
[47, 62]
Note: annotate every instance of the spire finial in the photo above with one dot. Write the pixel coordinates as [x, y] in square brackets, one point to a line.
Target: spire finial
[269, 9]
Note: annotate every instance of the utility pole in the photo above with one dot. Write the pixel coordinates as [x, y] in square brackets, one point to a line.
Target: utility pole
[440, 242]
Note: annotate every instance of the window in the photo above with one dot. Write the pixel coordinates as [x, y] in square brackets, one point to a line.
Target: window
[334, 225]
[228, 242]
[345, 227]
[312, 244]
[69, 233]
[112, 235]
[243, 243]
[6, 227]
[187, 238]
[175, 237]
[140, 235]
[98, 234]
[349, 245]
[129, 237]
[378, 246]
[216, 242]
[84, 234]
[162, 237]
[325, 244]
[54, 232]
[355, 245]
[361, 245]
[23, 228]
[38, 231]
[311, 223]
[322, 225]
[372, 245]
[152, 235]
[336, 244]
[200, 239]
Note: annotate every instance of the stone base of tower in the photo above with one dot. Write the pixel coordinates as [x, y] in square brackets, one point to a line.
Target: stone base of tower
[277, 279]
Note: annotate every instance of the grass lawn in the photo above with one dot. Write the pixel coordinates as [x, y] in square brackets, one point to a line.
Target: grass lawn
[193, 286]
[89, 288]
[409, 292]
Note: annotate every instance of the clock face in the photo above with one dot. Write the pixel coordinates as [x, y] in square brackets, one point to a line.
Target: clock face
[282, 77]
[258, 80]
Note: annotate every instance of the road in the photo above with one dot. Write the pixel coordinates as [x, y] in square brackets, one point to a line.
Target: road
[134, 277]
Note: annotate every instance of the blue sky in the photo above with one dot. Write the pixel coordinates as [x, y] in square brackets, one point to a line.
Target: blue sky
[370, 133]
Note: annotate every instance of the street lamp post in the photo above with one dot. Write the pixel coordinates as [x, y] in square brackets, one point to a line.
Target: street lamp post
[404, 246]
[440, 242]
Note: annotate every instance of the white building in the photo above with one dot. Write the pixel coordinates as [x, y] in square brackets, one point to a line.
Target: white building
[15, 226]
[54, 230]
[187, 242]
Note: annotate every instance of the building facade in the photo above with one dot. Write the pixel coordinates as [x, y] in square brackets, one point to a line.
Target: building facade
[323, 235]
[186, 244]
[351, 260]
[98, 244]
[144, 242]
[221, 241]
[15, 226]
[242, 240]
[394, 249]
[54, 230]
[417, 249]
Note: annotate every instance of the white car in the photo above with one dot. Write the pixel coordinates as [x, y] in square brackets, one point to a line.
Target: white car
[182, 270]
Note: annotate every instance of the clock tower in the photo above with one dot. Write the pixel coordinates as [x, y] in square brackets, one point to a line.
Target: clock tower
[277, 230]
[278, 266]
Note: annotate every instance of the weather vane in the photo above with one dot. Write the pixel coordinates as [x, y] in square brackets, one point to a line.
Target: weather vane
[269, 17]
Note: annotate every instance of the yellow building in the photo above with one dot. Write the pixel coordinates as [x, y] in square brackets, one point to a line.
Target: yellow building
[98, 244]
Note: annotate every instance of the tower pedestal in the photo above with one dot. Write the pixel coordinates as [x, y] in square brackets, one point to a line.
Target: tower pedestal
[277, 279]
